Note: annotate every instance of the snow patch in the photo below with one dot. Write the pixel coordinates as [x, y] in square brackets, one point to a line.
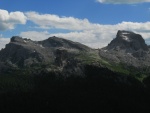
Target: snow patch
[41, 46]
[105, 50]
[125, 33]
[125, 37]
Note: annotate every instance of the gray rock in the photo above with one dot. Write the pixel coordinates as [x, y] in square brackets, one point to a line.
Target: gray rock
[67, 57]
[23, 53]
[128, 41]
[128, 48]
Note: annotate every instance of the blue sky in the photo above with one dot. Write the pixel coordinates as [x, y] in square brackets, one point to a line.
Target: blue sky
[91, 22]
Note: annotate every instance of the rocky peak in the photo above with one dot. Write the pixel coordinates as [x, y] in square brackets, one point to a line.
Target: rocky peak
[56, 42]
[127, 48]
[129, 41]
[19, 39]
[16, 39]
[23, 52]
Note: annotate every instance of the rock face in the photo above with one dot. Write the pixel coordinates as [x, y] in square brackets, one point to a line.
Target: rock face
[25, 53]
[67, 56]
[128, 41]
[129, 48]
[62, 43]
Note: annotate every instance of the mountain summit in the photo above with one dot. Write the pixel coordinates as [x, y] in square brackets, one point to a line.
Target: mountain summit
[129, 41]
[128, 48]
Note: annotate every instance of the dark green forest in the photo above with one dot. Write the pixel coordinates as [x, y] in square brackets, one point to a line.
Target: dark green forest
[100, 90]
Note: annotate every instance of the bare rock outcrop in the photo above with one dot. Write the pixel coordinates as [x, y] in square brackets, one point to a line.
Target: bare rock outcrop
[128, 48]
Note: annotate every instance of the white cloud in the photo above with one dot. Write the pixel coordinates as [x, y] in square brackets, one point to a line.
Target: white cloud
[94, 35]
[9, 20]
[48, 21]
[81, 30]
[86, 37]
[97, 37]
[34, 35]
[123, 1]
[54, 21]
[3, 42]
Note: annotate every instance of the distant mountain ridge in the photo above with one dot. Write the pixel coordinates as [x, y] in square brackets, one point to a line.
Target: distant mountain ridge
[128, 48]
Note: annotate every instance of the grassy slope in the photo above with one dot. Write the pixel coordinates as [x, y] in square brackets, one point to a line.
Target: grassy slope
[94, 58]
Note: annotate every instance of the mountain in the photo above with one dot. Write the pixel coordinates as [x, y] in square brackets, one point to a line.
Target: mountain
[127, 51]
[128, 41]
[128, 48]
[25, 52]
[59, 75]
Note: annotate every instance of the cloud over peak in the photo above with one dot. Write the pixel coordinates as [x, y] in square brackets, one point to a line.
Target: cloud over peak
[9, 20]
[97, 37]
[122, 1]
